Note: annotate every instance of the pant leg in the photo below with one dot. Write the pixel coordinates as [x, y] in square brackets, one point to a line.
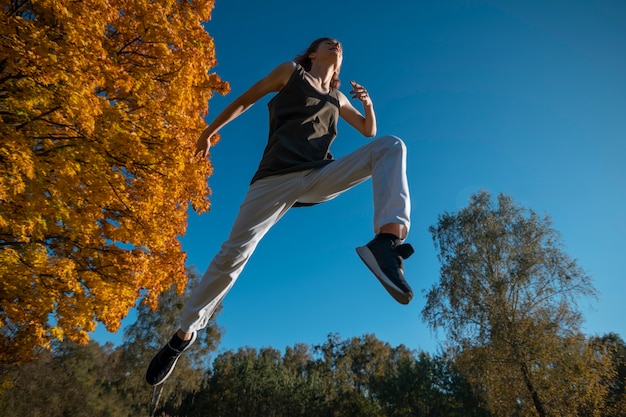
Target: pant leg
[384, 160]
[267, 200]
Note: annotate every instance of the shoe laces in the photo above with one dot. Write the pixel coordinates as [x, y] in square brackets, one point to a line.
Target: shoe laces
[405, 250]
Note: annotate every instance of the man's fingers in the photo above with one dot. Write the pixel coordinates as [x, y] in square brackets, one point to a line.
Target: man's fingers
[201, 154]
[358, 91]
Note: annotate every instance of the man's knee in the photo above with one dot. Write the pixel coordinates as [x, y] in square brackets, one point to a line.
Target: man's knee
[392, 142]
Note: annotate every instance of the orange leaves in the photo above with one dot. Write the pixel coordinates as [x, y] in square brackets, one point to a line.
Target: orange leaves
[101, 104]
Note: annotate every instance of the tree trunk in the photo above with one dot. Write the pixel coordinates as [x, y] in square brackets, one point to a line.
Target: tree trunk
[533, 392]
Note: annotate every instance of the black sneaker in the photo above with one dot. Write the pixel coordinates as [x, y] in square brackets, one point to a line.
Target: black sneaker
[164, 361]
[383, 256]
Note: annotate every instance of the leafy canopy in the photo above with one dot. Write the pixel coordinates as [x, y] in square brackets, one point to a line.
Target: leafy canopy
[101, 103]
[507, 299]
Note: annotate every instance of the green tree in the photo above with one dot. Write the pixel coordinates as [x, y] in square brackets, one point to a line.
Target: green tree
[101, 102]
[425, 385]
[146, 336]
[71, 380]
[354, 363]
[249, 382]
[507, 299]
[360, 376]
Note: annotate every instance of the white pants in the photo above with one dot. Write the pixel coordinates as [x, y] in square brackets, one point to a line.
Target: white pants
[268, 199]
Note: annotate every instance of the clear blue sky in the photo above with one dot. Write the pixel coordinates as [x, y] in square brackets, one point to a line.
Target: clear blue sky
[526, 98]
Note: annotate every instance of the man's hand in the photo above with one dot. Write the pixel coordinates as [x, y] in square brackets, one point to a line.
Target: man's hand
[204, 144]
[360, 93]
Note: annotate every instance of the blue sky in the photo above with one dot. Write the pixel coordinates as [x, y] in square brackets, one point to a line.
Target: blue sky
[526, 98]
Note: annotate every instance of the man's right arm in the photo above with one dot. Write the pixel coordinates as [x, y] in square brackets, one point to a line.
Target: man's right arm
[273, 82]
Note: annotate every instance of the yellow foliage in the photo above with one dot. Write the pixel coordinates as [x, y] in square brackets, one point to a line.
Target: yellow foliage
[101, 103]
[563, 375]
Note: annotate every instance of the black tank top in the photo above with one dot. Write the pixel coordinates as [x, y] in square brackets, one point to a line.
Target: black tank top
[303, 125]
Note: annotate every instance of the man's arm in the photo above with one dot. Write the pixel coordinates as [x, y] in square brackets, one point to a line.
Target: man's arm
[273, 82]
[364, 124]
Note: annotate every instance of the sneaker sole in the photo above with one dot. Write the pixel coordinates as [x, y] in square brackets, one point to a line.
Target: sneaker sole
[369, 260]
[191, 341]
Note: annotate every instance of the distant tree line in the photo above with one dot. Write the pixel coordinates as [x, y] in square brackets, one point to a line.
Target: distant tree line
[360, 376]
[506, 299]
[357, 376]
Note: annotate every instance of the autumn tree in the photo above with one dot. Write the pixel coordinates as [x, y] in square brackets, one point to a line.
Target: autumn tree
[100, 104]
[507, 299]
[613, 344]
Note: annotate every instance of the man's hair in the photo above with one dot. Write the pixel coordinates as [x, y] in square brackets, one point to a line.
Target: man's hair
[305, 61]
